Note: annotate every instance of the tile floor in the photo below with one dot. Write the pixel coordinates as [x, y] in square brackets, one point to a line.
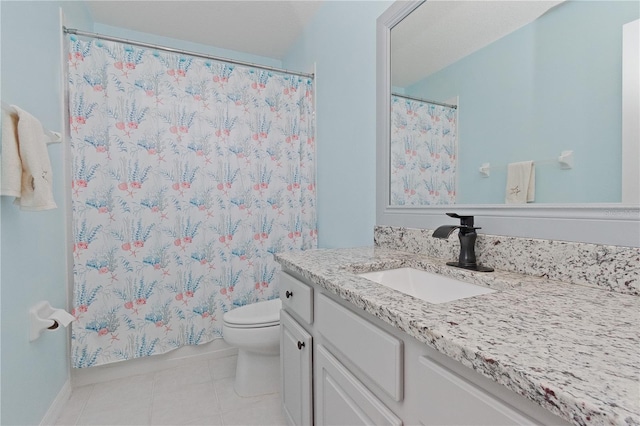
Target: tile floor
[200, 393]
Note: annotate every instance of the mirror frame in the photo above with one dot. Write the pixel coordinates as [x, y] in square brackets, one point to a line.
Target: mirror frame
[612, 223]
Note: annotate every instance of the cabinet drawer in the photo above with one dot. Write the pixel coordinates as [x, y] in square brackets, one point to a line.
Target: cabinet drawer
[374, 351]
[451, 400]
[342, 400]
[297, 297]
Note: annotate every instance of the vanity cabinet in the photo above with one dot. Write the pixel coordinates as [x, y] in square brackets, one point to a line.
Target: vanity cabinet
[451, 400]
[376, 353]
[364, 371]
[296, 348]
[341, 399]
[296, 371]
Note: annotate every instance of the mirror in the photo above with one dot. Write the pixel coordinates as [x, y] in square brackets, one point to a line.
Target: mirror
[611, 223]
[488, 83]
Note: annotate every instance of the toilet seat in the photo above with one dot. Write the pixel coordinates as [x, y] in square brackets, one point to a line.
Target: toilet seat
[255, 315]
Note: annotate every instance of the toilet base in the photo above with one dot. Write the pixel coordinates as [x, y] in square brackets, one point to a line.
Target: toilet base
[257, 374]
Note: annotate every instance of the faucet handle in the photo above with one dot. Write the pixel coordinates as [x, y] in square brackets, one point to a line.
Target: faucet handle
[466, 221]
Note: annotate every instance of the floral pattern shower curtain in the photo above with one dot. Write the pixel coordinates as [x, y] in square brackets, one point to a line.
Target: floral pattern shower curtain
[423, 153]
[188, 175]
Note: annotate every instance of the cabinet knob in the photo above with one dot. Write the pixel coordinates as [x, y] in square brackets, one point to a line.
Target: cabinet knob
[300, 345]
[288, 294]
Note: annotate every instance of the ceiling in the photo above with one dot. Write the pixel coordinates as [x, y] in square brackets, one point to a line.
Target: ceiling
[439, 33]
[265, 28]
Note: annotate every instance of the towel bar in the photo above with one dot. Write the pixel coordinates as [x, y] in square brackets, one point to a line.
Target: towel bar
[565, 159]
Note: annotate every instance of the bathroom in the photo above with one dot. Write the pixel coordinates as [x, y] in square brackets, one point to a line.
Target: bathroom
[37, 376]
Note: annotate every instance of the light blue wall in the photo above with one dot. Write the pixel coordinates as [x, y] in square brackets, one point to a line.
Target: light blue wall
[341, 40]
[562, 72]
[33, 243]
[182, 44]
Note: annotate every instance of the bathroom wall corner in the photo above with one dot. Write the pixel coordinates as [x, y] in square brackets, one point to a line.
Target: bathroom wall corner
[57, 406]
[341, 40]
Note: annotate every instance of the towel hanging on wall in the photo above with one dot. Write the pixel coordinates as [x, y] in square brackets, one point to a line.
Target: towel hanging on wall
[11, 166]
[26, 168]
[521, 183]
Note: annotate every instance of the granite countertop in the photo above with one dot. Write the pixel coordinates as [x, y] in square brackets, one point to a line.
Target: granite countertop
[574, 350]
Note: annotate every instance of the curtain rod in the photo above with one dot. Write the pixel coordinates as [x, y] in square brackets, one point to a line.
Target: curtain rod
[426, 101]
[181, 51]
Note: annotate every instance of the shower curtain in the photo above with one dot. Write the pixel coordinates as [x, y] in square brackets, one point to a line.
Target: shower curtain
[423, 153]
[188, 174]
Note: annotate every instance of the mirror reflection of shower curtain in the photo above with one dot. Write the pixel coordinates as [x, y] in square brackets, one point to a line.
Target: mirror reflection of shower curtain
[423, 153]
[188, 175]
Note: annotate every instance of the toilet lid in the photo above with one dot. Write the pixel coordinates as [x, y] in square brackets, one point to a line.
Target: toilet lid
[259, 314]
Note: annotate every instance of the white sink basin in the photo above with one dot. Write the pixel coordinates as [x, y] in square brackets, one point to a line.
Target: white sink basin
[432, 288]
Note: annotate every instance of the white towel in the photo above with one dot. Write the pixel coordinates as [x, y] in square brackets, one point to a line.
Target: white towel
[24, 154]
[521, 183]
[11, 165]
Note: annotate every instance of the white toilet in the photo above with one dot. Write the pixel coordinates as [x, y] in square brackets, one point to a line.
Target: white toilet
[255, 330]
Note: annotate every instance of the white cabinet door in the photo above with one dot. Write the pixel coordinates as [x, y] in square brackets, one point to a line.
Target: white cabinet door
[295, 365]
[341, 399]
[375, 352]
[451, 400]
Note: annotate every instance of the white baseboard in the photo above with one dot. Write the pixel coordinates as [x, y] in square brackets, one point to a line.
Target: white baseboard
[103, 373]
[56, 407]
